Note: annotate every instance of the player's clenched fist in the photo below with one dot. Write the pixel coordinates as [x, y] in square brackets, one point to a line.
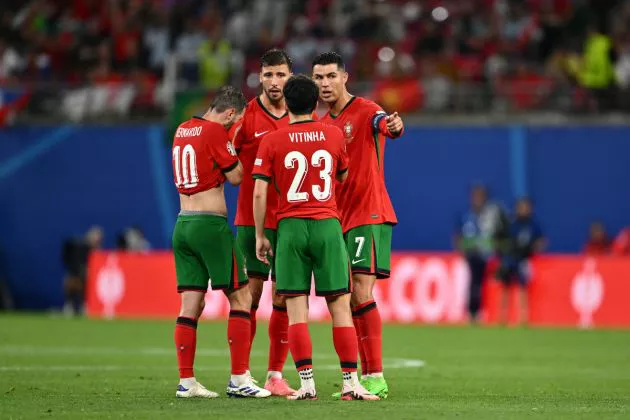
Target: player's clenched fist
[394, 123]
[263, 249]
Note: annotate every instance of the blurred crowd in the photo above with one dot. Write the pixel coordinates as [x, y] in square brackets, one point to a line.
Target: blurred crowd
[415, 54]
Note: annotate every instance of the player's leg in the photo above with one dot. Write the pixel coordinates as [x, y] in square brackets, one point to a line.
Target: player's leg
[301, 347]
[226, 268]
[504, 276]
[257, 271]
[278, 334]
[278, 345]
[293, 280]
[192, 283]
[369, 247]
[524, 276]
[331, 269]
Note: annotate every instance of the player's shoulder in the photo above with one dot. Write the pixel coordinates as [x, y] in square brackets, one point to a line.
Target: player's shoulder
[367, 105]
[327, 127]
[198, 127]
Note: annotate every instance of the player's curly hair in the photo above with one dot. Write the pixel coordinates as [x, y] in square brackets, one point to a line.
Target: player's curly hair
[276, 57]
[301, 94]
[330, 57]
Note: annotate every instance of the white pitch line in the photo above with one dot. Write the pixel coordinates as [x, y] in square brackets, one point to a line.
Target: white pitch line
[144, 351]
[389, 364]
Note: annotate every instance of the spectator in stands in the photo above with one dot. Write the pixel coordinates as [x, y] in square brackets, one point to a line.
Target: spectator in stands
[75, 254]
[524, 240]
[597, 73]
[476, 237]
[598, 242]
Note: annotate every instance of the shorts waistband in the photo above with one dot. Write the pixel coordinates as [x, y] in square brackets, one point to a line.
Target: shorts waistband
[200, 213]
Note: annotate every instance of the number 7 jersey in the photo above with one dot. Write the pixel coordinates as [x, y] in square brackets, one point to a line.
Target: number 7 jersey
[302, 160]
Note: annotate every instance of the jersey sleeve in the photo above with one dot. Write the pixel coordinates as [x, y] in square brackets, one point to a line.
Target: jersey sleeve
[263, 164]
[222, 151]
[378, 121]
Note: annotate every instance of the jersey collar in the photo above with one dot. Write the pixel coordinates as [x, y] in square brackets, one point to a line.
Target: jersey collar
[301, 122]
[342, 109]
[260, 104]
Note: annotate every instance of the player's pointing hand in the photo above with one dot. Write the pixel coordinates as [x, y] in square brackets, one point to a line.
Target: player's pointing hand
[263, 249]
[394, 123]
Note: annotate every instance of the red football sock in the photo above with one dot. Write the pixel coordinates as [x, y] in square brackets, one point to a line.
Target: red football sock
[372, 329]
[345, 340]
[358, 326]
[252, 318]
[278, 338]
[239, 334]
[186, 344]
[301, 347]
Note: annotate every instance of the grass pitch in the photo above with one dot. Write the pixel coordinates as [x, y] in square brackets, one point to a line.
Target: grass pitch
[70, 368]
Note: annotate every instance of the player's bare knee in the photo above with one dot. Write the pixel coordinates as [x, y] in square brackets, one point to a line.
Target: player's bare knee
[240, 299]
[192, 304]
[256, 288]
[279, 300]
[339, 308]
[361, 292]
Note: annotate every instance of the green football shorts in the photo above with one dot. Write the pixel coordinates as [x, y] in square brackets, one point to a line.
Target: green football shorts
[205, 250]
[370, 249]
[246, 239]
[305, 247]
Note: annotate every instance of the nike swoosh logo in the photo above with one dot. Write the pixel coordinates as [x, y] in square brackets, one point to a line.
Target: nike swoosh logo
[357, 261]
[257, 134]
[284, 341]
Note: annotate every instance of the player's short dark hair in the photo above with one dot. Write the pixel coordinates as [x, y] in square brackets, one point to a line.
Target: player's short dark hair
[301, 94]
[330, 57]
[276, 57]
[228, 97]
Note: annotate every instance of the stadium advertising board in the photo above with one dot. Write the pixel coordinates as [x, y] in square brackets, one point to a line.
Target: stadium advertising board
[424, 288]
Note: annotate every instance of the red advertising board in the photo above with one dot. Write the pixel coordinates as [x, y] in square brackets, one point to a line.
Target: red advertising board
[424, 288]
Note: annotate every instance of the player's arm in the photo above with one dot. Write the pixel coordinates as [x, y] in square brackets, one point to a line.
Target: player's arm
[391, 126]
[224, 154]
[342, 175]
[262, 174]
[344, 160]
[234, 175]
[237, 135]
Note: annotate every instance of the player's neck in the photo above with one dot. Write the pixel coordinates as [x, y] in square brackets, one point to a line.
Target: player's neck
[299, 118]
[278, 109]
[338, 106]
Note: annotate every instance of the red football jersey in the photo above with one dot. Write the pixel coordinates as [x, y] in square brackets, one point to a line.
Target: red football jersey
[302, 161]
[202, 153]
[363, 198]
[256, 124]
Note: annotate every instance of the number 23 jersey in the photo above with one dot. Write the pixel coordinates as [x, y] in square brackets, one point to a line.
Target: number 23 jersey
[302, 161]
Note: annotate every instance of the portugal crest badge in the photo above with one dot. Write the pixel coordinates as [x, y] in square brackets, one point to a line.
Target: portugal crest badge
[348, 131]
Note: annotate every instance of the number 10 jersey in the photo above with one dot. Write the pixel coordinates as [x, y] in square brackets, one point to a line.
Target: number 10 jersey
[302, 160]
[202, 153]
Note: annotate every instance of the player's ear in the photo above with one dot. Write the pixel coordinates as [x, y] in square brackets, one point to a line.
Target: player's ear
[344, 76]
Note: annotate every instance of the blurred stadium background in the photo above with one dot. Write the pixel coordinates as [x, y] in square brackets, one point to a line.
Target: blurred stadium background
[527, 97]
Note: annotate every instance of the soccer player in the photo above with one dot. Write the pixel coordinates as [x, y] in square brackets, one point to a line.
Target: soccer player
[203, 245]
[265, 114]
[302, 160]
[366, 210]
